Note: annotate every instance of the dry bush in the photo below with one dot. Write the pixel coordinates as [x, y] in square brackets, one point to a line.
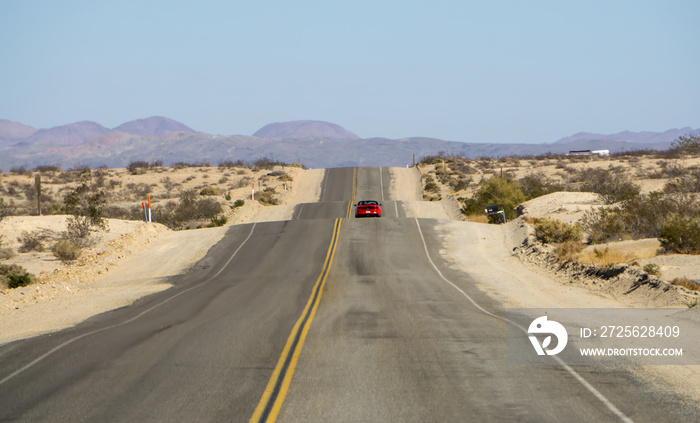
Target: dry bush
[32, 241]
[681, 234]
[495, 191]
[430, 185]
[11, 274]
[66, 251]
[569, 250]
[189, 209]
[228, 164]
[605, 258]
[612, 187]
[6, 208]
[652, 269]
[537, 184]
[242, 183]
[645, 216]
[553, 230]
[686, 283]
[266, 163]
[209, 191]
[266, 197]
[138, 167]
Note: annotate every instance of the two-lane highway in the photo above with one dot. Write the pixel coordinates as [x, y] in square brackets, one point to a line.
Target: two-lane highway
[322, 318]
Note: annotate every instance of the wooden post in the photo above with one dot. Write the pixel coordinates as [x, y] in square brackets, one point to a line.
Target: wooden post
[37, 186]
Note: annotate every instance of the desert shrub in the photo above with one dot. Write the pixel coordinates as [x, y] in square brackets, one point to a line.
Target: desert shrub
[8, 269]
[243, 183]
[605, 258]
[689, 182]
[6, 253]
[124, 213]
[687, 143]
[430, 185]
[138, 167]
[668, 169]
[266, 197]
[218, 221]
[16, 281]
[536, 185]
[285, 177]
[681, 234]
[139, 191]
[652, 269]
[47, 169]
[495, 191]
[459, 184]
[238, 203]
[20, 170]
[6, 208]
[686, 283]
[208, 191]
[189, 208]
[14, 272]
[266, 163]
[433, 159]
[611, 187]
[567, 251]
[553, 230]
[32, 241]
[641, 217]
[86, 207]
[227, 164]
[66, 251]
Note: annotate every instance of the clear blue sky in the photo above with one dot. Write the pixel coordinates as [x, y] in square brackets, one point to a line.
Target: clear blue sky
[476, 71]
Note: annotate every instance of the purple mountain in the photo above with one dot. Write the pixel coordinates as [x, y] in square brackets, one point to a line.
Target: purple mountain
[154, 125]
[304, 129]
[71, 134]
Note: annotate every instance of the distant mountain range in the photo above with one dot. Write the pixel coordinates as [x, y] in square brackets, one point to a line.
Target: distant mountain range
[316, 144]
[12, 133]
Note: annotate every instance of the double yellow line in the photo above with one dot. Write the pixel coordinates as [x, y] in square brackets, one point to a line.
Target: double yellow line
[271, 402]
[354, 190]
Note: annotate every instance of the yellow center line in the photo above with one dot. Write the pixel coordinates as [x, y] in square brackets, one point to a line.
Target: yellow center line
[271, 402]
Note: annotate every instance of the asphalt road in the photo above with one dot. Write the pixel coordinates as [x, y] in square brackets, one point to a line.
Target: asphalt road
[321, 318]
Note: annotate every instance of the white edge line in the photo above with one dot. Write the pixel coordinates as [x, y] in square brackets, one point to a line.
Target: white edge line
[381, 182]
[70, 341]
[573, 372]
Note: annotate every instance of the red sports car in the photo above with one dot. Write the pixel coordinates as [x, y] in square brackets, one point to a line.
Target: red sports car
[368, 209]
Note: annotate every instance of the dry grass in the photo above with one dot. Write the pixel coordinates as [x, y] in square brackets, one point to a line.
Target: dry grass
[569, 250]
[686, 283]
[606, 257]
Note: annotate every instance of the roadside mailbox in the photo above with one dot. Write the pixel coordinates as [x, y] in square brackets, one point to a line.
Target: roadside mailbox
[491, 210]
